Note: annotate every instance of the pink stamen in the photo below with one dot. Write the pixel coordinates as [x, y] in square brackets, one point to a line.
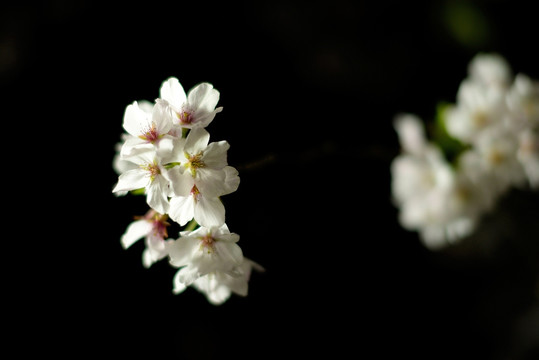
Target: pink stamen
[186, 117]
[195, 193]
[151, 135]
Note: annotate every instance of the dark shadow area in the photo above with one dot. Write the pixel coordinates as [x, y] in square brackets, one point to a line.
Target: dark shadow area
[309, 91]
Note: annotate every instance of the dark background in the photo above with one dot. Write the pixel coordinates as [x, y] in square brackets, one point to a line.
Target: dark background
[309, 91]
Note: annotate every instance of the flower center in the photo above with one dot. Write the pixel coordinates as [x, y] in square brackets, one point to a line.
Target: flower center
[158, 221]
[160, 224]
[206, 242]
[185, 116]
[480, 119]
[496, 157]
[150, 134]
[152, 169]
[194, 162]
[195, 193]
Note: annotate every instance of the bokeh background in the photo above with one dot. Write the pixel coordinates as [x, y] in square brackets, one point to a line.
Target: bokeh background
[309, 91]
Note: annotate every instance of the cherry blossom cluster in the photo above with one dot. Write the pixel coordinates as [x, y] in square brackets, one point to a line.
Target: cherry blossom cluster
[484, 144]
[166, 155]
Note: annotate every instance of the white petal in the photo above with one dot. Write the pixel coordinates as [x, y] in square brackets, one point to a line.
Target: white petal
[156, 247]
[132, 180]
[178, 287]
[161, 118]
[156, 195]
[147, 259]
[181, 209]
[134, 146]
[197, 141]
[187, 275]
[181, 181]
[211, 183]
[165, 150]
[209, 212]
[230, 253]
[135, 231]
[181, 250]
[135, 120]
[232, 180]
[219, 295]
[172, 91]
[146, 106]
[204, 97]
[230, 237]
[215, 155]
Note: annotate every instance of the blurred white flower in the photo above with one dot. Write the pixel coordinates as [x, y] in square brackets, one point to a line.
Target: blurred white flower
[492, 141]
[523, 104]
[477, 109]
[528, 155]
[430, 196]
[490, 70]
[497, 148]
[411, 133]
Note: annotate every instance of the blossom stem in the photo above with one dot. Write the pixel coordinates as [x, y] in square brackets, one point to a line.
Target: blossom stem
[185, 131]
[171, 165]
[141, 191]
[191, 226]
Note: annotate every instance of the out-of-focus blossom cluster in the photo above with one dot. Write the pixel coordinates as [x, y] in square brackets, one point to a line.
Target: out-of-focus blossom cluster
[478, 148]
[166, 155]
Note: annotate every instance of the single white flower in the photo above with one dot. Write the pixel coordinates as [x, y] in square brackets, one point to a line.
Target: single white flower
[477, 109]
[150, 175]
[218, 286]
[197, 108]
[497, 149]
[490, 70]
[147, 129]
[201, 204]
[153, 228]
[203, 161]
[204, 251]
[198, 197]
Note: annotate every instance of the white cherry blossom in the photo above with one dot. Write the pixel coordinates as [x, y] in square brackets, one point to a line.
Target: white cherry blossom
[205, 250]
[147, 130]
[151, 176]
[153, 228]
[197, 108]
[490, 70]
[218, 286]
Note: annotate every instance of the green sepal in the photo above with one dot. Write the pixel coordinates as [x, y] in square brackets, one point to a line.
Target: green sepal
[193, 225]
[140, 191]
[450, 146]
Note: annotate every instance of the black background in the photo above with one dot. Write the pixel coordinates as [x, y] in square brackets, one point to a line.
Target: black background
[309, 91]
